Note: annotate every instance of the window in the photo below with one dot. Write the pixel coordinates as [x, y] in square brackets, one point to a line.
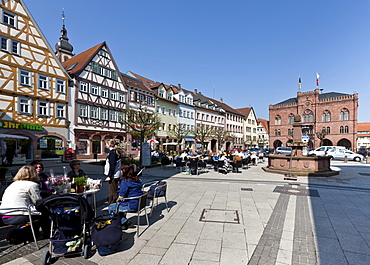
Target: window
[113, 95]
[112, 115]
[25, 77]
[103, 53]
[344, 115]
[25, 106]
[43, 108]
[122, 97]
[169, 127]
[346, 129]
[180, 112]
[104, 92]
[97, 69]
[308, 116]
[163, 110]
[60, 86]
[174, 113]
[9, 18]
[291, 118]
[104, 114]
[4, 43]
[327, 130]
[141, 98]
[169, 96]
[169, 112]
[148, 100]
[61, 111]
[163, 126]
[83, 146]
[161, 93]
[84, 87]
[10, 45]
[278, 120]
[192, 115]
[341, 129]
[326, 116]
[94, 89]
[82, 111]
[158, 109]
[15, 47]
[43, 82]
[94, 112]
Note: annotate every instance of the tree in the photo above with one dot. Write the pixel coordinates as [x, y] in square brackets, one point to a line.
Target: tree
[142, 121]
[201, 133]
[179, 132]
[222, 136]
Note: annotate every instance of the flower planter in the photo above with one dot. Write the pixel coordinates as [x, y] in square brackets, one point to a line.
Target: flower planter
[80, 188]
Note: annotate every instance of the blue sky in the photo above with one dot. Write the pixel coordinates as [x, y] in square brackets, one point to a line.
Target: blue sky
[247, 52]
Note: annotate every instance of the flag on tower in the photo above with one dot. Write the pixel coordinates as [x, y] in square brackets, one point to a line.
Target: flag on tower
[317, 79]
[299, 83]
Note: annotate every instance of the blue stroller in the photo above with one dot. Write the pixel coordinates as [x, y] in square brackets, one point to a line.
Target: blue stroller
[71, 216]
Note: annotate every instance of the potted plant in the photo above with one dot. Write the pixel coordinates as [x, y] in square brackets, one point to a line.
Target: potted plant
[3, 171]
[80, 183]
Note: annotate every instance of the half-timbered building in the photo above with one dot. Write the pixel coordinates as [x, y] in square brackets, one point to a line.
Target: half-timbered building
[33, 87]
[98, 99]
[139, 96]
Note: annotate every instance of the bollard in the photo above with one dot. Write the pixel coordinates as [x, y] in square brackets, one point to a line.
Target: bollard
[345, 159]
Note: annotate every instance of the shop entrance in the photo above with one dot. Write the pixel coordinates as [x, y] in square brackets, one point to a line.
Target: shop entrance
[49, 146]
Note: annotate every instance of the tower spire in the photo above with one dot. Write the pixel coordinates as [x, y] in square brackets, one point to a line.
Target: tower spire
[63, 48]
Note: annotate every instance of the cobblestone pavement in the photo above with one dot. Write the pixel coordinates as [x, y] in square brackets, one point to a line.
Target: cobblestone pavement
[251, 217]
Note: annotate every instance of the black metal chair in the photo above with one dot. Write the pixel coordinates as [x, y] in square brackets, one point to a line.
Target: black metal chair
[246, 161]
[141, 206]
[221, 166]
[237, 165]
[193, 167]
[165, 161]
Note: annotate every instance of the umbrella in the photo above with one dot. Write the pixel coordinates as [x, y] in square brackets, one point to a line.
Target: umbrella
[152, 141]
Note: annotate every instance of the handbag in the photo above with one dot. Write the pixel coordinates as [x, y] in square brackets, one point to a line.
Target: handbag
[106, 167]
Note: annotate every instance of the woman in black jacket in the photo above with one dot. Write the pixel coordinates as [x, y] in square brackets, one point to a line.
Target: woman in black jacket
[114, 174]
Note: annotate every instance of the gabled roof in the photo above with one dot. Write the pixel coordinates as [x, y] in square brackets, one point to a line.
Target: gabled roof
[79, 61]
[264, 123]
[147, 82]
[134, 82]
[245, 111]
[363, 127]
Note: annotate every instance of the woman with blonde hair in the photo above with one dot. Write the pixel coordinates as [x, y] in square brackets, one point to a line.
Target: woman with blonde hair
[24, 192]
[114, 173]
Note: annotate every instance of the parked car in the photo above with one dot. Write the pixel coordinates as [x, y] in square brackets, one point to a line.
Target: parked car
[363, 150]
[254, 150]
[341, 153]
[268, 151]
[282, 150]
[323, 150]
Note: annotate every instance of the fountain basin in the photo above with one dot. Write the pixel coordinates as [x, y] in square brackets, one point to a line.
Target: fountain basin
[309, 166]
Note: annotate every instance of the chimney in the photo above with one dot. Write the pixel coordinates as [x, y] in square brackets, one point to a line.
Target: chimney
[195, 91]
[179, 86]
[221, 100]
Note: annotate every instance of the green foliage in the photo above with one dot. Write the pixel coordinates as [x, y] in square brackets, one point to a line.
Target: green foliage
[80, 181]
[129, 160]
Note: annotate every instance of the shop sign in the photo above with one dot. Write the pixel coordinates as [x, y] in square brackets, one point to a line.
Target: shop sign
[20, 125]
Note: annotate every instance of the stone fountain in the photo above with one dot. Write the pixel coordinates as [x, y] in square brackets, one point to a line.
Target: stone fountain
[298, 164]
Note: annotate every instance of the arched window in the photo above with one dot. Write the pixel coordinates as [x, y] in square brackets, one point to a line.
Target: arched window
[346, 129]
[341, 129]
[344, 114]
[277, 120]
[278, 131]
[291, 118]
[308, 116]
[326, 116]
[289, 132]
[328, 130]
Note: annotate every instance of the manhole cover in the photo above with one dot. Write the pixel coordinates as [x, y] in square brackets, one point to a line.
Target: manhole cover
[220, 216]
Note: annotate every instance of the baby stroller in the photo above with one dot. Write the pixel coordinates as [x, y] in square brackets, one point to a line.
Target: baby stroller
[71, 217]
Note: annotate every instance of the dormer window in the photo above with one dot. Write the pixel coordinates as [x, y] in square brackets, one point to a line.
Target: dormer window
[169, 96]
[161, 93]
[9, 18]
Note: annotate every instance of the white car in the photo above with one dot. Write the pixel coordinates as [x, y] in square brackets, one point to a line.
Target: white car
[284, 150]
[323, 150]
[341, 153]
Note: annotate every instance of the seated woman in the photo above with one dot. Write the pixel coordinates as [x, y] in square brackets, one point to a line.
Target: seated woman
[130, 187]
[76, 171]
[24, 192]
[45, 191]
